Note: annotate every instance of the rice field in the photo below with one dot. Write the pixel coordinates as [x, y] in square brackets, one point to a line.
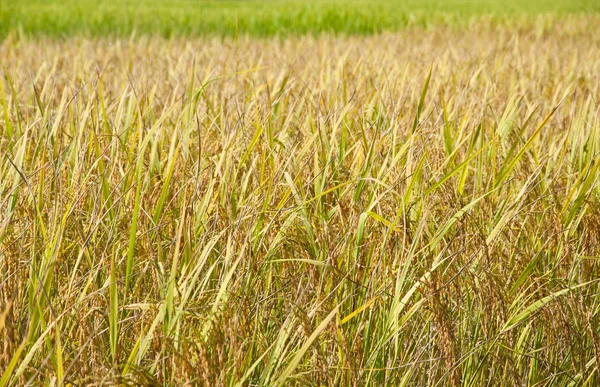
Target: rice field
[267, 18]
[414, 207]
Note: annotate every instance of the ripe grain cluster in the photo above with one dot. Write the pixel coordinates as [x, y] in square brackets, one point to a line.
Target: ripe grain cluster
[417, 208]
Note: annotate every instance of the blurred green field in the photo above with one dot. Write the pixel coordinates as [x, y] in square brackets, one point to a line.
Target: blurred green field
[265, 18]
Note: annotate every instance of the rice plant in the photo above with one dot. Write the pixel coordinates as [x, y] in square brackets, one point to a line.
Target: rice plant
[411, 208]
